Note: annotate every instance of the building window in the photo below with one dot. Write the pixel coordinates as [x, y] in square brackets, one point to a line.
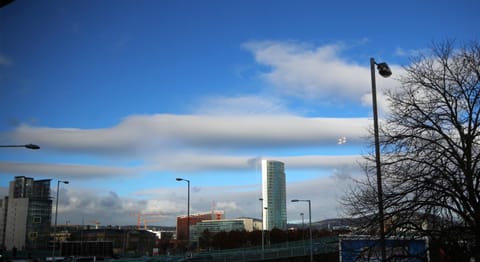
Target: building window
[33, 235]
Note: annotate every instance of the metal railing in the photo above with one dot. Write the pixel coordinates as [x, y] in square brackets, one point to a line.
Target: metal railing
[278, 251]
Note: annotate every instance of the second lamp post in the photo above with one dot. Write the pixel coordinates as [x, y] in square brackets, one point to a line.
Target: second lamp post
[56, 214]
[188, 206]
[309, 224]
[384, 71]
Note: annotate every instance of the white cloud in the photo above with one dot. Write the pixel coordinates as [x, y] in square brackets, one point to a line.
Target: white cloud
[206, 143]
[165, 141]
[319, 73]
[66, 171]
[140, 134]
[87, 206]
[410, 52]
[324, 194]
[199, 162]
[5, 61]
[307, 71]
[241, 105]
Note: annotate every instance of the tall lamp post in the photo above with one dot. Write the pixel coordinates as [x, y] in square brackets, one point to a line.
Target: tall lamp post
[309, 224]
[384, 71]
[303, 220]
[263, 226]
[28, 146]
[303, 225]
[188, 206]
[56, 214]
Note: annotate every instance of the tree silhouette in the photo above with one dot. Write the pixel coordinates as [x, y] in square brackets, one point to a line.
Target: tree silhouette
[430, 145]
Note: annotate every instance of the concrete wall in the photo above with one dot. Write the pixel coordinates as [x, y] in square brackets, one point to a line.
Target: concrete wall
[16, 229]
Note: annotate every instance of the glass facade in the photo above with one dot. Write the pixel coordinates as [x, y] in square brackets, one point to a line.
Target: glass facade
[38, 222]
[41, 189]
[27, 187]
[182, 224]
[28, 214]
[274, 195]
[216, 226]
[22, 187]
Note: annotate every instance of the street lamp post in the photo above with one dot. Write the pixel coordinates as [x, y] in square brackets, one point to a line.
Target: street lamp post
[263, 231]
[188, 206]
[28, 146]
[309, 224]
[384, 71]
[56, 214]
[303, 225]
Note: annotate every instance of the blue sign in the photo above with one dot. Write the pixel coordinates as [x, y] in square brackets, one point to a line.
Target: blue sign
[354, 249]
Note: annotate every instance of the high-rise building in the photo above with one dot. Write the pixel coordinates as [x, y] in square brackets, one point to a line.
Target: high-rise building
[26, 214]
[274, 195]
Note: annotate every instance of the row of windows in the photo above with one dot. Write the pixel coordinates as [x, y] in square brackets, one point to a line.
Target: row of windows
[27, 187]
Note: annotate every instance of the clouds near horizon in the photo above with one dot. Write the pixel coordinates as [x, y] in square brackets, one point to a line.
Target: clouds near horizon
[222, 134]
[209, 142]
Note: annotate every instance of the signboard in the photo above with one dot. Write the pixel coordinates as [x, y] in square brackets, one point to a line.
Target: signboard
[367, 248]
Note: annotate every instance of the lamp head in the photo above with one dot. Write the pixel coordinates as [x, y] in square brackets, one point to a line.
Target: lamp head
[295, 200]
[32, 146]
[384, 70]
[65, 182]
[179, 179]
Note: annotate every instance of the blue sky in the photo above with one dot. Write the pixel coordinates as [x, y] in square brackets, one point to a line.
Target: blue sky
[125, 96]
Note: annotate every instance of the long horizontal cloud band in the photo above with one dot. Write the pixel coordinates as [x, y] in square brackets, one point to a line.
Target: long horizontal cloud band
[181, 164]
[170, 131]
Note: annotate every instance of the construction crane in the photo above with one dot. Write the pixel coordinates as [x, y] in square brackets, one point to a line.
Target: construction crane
[146, 221]
[141, 217]
[96, 222]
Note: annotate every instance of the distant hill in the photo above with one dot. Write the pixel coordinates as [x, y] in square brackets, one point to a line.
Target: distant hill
[331, 223]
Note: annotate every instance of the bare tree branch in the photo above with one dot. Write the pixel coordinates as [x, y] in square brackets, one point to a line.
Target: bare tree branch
[430, 152]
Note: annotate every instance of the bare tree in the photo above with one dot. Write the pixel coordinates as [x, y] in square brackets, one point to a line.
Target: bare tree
[431, 152]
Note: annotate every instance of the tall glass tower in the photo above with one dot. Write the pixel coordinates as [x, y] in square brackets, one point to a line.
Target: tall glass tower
[274, 195]
[26, 214]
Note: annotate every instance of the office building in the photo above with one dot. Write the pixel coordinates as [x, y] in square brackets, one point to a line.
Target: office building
[224, 225]
[182, 221]
[26, 214]
[274, 195]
